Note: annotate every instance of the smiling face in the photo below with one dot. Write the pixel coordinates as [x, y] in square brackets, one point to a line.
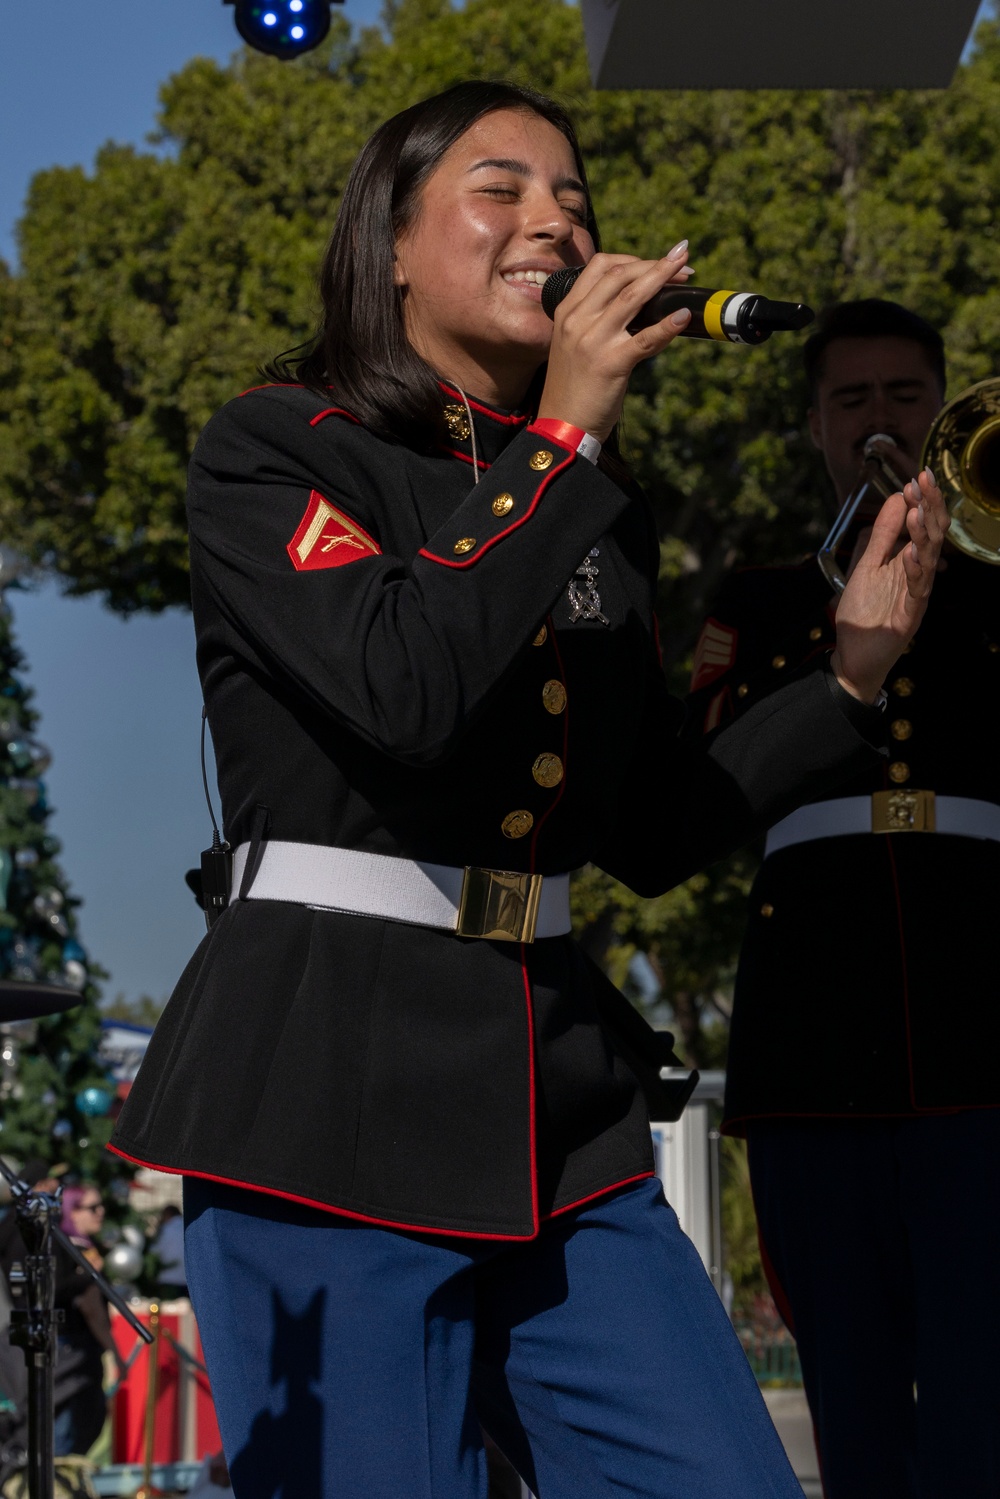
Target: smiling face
[503, 208]
[869, 385]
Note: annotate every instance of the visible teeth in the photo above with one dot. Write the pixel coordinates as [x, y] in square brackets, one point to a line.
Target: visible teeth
[536, 278]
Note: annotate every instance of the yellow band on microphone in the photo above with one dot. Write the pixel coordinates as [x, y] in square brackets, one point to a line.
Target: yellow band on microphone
[713, 315]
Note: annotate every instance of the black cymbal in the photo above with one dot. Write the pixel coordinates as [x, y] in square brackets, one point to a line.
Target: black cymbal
[25, 1001]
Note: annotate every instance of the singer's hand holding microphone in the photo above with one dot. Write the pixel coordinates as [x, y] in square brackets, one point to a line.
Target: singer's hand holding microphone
[592, 353]
[618, 310]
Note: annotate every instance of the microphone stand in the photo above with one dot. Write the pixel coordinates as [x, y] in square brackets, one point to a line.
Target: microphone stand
[34, 1318]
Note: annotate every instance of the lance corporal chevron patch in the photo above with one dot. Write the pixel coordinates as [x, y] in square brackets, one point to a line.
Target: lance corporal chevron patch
[714, 654]
[326, 537]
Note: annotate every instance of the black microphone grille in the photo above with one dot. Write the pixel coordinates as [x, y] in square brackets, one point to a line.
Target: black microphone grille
[558, 285]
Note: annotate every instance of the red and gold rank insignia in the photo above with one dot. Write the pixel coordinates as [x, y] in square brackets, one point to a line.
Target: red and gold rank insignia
[715, 710]
[713, 655]
[326, 537]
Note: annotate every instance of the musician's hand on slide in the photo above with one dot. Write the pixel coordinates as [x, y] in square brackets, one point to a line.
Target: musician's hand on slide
[887, 593]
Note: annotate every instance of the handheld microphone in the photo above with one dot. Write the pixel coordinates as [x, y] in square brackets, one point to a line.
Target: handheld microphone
[737, 317]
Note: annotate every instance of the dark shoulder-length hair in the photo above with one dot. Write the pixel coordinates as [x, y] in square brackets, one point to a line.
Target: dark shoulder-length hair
[361, 350]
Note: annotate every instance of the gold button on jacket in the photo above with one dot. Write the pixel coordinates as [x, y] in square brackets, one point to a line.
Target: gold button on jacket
[503, 504]
[548, 770]
[899, 772]
[540, 460]
[464, 544]
[901, 728]
[903, 687]
[542, 636]
[516, 824]
[554, 696]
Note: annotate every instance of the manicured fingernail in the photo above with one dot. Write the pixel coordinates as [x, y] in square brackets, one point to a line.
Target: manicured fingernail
[913, 551]
[680, 318]
[930, 474]
[678, 250]
[916, 484]
[686, 270]
[920, 515]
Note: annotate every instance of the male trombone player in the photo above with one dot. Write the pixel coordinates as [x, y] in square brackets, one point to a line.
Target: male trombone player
[865, 1043]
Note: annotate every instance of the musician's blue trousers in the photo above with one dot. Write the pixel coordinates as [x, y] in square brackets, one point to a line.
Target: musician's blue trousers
[884, 1243]
[352, 1362]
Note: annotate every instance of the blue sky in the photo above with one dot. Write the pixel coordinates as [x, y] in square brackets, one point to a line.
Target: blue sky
[119, 700]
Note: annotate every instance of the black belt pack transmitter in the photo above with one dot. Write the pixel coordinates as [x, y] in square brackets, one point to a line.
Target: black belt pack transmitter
[216, 862]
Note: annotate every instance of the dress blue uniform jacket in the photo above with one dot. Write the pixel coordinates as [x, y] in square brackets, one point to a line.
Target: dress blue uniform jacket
[390, 664]
[867, 982]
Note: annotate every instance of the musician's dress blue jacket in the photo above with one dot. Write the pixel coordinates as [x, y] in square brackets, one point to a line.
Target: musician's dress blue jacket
[389, 664]
[864, 1042]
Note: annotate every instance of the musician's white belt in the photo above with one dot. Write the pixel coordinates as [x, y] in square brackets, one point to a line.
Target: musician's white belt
[898, 811]
[500, 905]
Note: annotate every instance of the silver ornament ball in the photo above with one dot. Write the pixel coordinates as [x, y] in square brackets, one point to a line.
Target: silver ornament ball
[123, 1262]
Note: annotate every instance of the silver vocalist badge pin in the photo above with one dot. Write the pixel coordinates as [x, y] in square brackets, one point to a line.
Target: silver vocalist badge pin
[584, 599]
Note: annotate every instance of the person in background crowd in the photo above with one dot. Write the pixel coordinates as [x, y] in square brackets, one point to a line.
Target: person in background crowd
[85, 1335]
[168, 1246]
[866, 1029]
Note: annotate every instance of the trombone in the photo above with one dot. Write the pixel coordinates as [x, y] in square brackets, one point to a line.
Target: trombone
[963, 452]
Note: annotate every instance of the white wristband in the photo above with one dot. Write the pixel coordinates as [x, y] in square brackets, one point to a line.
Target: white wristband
[589, 448]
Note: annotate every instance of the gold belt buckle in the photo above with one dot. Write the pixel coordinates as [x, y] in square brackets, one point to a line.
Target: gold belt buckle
[903, 811]
[499, 904]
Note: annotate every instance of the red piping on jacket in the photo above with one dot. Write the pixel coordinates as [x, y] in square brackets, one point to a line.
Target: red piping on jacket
[413, 1228]
[325, 1207]
[565, 748]
[468, 561]
[272, 385]
[529, 1001]
[532, 1140]
[602, 1192]
[333, 411]
[466, 458]
[508, 421]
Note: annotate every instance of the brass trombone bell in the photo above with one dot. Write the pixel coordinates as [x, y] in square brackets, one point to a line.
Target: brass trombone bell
[963, 452]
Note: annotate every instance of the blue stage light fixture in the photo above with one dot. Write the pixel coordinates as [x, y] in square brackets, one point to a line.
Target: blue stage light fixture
[282, 28]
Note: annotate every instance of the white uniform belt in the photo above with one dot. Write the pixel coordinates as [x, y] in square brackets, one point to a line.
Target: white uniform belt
[898, 811]
[497, 904]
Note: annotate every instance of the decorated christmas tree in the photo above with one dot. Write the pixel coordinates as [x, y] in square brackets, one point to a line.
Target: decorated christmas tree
[56, 1102]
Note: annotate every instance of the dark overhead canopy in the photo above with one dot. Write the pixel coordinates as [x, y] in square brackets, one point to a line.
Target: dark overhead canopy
[776, 43]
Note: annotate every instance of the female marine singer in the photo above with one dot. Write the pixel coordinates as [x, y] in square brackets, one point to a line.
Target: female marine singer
[419, 1185]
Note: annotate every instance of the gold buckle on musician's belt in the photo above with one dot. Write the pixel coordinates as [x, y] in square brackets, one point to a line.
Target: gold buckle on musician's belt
[499, 904]
[903, 811]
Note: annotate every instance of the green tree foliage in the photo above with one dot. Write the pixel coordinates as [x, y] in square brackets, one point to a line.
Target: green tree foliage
[142, 1011]
[151, 287]
[55, 1100]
